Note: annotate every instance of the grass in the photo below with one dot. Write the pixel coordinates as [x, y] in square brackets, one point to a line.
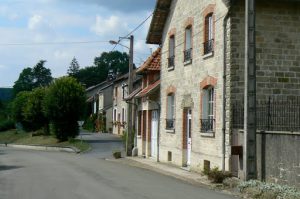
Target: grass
[17, 137]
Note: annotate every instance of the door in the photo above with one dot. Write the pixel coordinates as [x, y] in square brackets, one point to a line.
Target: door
[189, 135]
[154, 133]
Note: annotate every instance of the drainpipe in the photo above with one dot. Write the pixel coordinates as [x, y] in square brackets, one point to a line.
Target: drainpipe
[224, 89]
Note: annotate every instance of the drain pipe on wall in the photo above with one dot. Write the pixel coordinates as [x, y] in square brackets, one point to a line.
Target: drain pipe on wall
[224, 89]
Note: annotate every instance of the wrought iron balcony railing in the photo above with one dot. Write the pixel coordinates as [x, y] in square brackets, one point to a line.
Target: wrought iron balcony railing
[207, 125]
[170, 124]
[208, 46]
[171, 61]
[188, 55]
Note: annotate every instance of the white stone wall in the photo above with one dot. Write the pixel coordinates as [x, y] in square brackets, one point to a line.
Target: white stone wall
[118, 104]
[186, 79]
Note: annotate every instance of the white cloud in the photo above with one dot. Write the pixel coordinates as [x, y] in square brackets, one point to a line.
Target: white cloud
[105, 26]
[35, 22]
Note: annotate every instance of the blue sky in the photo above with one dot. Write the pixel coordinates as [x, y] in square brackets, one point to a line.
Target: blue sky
[54, 21]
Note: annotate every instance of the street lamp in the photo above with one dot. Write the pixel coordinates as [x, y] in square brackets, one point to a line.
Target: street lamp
[130, 88]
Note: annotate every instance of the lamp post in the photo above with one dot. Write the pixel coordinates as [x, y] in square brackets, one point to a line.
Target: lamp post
[130, 88]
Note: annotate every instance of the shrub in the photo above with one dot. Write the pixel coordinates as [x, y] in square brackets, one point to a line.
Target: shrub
[89, 123]
[217, 176]
[117, 154]
[7, 125]
[64, 105]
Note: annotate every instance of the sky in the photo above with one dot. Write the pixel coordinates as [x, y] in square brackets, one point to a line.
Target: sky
[33, 30]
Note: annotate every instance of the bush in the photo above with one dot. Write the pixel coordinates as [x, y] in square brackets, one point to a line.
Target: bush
[89, 123]
[217, 176]
[64, 105]
[7, 125]
[117, 154]
[262, 190]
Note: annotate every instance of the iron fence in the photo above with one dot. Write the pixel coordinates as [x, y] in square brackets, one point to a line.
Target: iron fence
[188, 55]
[170, 124]
[207, 125]
[208, 46]
[171, 61]
[271, 115]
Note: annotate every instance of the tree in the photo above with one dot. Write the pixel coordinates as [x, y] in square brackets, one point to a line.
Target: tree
[32, 110]
[63, 105]
[31, 78]
[17, 109]
[115, 61]
[73, 68]
[24, 82]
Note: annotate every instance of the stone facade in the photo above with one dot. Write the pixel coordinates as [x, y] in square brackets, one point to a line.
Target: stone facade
[188, 80]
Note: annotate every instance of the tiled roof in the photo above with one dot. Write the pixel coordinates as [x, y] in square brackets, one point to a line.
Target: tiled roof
[149, 89]
[152, 63]
[133, 94]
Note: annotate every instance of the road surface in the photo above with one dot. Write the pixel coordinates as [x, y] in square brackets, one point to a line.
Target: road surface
[27, 174]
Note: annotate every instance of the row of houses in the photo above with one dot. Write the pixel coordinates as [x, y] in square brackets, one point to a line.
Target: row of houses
[186, 93]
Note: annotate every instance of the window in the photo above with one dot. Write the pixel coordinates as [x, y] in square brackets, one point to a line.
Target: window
[208, 40]
[115, 115]
[170, 111]
[208, 104]
[171, 60]
[188, 44]
[123, 115]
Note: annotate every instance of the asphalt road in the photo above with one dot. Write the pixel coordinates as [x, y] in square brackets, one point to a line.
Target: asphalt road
[26, 174]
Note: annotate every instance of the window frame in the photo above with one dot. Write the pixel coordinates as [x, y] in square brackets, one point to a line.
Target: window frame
[171, 111]
[188, 50]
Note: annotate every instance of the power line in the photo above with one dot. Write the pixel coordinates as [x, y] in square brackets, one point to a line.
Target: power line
[135, 29]
[51, 43]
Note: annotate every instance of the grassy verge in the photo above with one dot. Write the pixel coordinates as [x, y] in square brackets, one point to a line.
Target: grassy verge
[16, 137]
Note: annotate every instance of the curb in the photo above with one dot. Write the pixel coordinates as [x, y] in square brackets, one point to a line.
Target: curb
[43, 148]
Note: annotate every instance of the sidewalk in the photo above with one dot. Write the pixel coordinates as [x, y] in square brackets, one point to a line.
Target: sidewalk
[169, 170]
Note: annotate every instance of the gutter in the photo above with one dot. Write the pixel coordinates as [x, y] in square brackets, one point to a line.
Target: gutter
[224, 89]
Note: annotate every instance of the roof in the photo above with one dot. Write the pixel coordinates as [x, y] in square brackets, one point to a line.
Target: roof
[101, 85]
[152, 63]
[149, 89]
[159, 19]
[133, 94]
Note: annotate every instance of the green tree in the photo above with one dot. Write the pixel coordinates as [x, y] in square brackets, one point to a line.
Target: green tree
[17, 109]
[31, 78]
[115, 61]
[73, 68]
[64, 105]
[32, 110]
[41, 75]
[24, 82]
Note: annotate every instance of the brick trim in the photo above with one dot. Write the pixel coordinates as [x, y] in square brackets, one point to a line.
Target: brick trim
[209, 9]
[189, 22]
[172, 32]
[208, 81]
[171, 89]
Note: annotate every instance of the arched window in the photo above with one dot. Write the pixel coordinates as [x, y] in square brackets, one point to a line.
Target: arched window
[208, 109]
[209, 36]
[188, 44]
[171, 61]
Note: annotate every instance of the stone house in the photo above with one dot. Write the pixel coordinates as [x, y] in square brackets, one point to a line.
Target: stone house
[148, 103]
[202, 76]
[100, 103]
[119, 96]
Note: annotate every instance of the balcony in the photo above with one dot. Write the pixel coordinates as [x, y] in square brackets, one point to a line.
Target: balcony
[207, 125]
[170, 124]
[208, 47]
[171, 62]
[188, 56]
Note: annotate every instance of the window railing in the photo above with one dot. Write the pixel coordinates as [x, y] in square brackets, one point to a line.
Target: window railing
[188, 55]
[207, 125]
[170, 124]
[208, 46]
[171, 61]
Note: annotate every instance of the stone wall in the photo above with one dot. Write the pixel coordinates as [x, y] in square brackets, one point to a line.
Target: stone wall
[278, 49]
[278, 159]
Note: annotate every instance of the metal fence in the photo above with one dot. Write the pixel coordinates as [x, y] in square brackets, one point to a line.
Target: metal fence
[271, 115]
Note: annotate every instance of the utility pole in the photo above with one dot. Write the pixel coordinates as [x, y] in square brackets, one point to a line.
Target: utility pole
[249, 153]
[129, 105]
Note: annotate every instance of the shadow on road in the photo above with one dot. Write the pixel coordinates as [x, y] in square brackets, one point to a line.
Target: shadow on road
[6, 167]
